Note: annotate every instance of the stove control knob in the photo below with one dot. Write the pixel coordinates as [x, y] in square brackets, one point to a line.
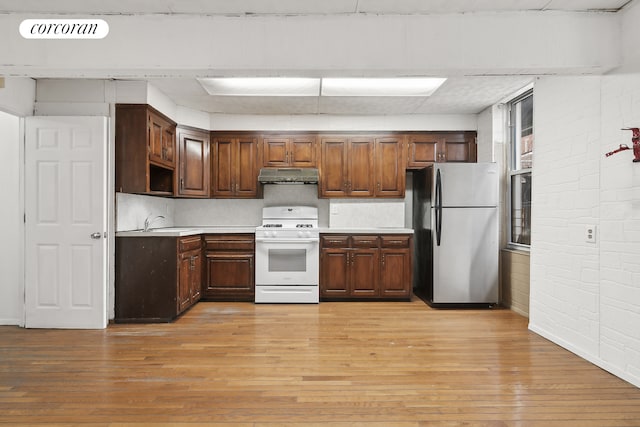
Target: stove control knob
[307, 234]
[300, 233]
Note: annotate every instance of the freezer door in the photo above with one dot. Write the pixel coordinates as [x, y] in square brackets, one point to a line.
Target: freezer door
[465, 264]
[468, 184]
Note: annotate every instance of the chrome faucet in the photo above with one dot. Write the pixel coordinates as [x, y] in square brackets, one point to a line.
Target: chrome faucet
[148, 221]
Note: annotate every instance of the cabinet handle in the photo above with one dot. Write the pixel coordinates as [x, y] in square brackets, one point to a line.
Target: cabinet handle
[383, 260]
[378, 187]
[395, 242]
[182, 183]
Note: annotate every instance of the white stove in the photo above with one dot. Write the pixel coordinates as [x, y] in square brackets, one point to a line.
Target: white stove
[287, 255]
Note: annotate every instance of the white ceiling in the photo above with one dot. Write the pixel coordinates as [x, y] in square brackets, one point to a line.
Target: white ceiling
[459, 94]
[303, 7]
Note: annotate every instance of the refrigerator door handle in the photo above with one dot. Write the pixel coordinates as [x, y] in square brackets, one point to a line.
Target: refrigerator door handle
[438, 207]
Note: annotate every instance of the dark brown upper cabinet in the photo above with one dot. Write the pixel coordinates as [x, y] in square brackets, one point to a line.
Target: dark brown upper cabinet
[425, 148]
[362, 166]
[346, 166]
[234, 169]
[389, 167]
[192, 178]
[297, 151]
[145, 150]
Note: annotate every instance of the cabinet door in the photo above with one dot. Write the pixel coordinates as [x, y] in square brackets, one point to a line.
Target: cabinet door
[229, 276]
[155, 138]
[334, 167]
[364, 273]
[161, 140]
[169, 144]
[302, 152]
[246, 170]
[193, 163]
[389, 167]
[422, 150]
[395, 275]
[184, 281]
[196, 276]
[334, 273]
[275, 152]
[222, 167]
[459, 147]
[360, 179]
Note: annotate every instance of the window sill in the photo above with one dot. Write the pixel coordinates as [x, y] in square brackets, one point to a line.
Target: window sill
[523, 250]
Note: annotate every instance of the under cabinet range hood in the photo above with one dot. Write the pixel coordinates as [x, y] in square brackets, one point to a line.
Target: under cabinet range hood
[288, 176]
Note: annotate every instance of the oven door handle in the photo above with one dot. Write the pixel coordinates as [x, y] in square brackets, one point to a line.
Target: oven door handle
[270, 240]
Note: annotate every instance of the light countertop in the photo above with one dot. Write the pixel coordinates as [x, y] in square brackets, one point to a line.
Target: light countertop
[366, 230]
[191, 231]
[187, 231]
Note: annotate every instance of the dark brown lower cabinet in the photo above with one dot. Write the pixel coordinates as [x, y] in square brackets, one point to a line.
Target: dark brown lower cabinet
[157, 278]
[230, 267]
[365, 266]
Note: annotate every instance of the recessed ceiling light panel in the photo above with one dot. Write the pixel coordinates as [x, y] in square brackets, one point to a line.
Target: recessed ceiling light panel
[261, 86]
[402, 86]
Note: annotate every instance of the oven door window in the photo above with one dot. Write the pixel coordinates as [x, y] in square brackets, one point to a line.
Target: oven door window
[283, 260]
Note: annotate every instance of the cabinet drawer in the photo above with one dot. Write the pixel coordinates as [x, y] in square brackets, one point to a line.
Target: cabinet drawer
[189, 243]
[365, 241]
[229, 241]
[395, 241]
[334, 241]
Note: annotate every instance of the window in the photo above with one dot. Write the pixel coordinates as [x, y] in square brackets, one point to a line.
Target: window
[520, 165]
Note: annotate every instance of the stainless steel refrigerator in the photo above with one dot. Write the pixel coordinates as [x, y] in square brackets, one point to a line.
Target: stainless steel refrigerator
[455, 218]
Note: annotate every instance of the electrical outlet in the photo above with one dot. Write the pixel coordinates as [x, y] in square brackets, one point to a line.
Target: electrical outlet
[334, 209]
[590, 233]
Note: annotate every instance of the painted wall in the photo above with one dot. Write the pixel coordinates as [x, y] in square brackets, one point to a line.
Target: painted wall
[469, 43]
[630, 46]
[16, 100]
[11, 224]
[586, 296]
[515, 280]
[17, 96]
[325, 122]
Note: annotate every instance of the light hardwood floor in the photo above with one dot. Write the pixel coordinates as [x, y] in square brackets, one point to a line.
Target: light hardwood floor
[333, 364]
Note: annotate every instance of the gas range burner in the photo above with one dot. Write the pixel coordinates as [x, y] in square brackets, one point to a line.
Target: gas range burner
[304, 225]
[272, 225]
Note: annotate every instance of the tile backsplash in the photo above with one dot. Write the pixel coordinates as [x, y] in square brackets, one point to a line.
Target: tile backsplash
[202, 212]
[352, 213]
[133, 209]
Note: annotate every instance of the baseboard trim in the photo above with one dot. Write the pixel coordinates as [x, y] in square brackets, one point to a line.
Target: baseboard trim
[596, 360]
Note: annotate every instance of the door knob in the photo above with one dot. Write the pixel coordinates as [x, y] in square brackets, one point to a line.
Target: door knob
[96, 236]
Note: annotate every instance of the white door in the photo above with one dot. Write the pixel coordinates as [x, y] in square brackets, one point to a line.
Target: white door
[66, 222]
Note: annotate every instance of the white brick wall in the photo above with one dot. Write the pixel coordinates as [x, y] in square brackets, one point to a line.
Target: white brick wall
[584, 296]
